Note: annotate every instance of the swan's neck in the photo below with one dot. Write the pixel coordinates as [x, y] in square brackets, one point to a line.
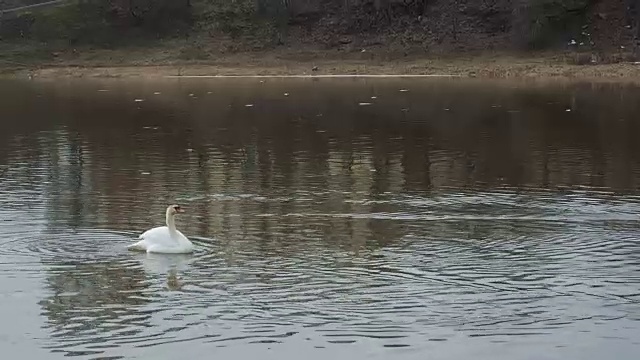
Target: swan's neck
[173, 232]
[171, 222]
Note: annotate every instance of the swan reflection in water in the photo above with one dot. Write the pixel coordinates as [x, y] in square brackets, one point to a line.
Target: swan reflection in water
[156, 265]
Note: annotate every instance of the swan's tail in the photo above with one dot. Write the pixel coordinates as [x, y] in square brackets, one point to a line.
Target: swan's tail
[139, 246]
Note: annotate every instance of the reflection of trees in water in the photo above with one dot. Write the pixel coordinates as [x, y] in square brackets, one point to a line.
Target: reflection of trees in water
[319, 155]
[88, 301]
[65, 189]
[278, 179]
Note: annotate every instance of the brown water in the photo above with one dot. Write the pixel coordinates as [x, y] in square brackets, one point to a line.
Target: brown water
[455, 220]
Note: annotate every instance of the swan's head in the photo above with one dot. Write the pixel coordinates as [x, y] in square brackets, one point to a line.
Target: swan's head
[174, 209]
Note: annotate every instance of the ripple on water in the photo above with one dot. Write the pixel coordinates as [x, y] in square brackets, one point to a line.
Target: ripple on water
[498, 280]
[298, 263]
[62, 244]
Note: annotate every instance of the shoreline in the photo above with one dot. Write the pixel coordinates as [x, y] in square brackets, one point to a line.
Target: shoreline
[321, 76]
[292, 65]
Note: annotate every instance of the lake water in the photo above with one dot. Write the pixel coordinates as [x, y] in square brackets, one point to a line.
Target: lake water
[350, 218]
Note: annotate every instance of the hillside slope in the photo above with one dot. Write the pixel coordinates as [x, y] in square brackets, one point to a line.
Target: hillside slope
[130, 32]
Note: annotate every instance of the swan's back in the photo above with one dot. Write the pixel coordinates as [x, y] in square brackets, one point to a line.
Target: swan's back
[158, 235]
[161, 240]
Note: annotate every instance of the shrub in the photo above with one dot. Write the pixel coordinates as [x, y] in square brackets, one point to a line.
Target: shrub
[540, 23]
[101, 22]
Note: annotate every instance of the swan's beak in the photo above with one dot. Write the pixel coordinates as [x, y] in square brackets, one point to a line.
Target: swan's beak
[180, 210]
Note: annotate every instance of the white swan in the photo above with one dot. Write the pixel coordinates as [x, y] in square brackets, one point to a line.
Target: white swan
[164, 239]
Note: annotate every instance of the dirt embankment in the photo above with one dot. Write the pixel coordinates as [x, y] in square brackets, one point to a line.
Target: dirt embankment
[295, 64]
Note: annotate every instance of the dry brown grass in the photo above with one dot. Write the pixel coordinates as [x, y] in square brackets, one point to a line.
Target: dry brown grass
[169, 60]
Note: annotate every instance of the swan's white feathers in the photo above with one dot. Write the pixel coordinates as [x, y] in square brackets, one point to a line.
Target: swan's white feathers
[163, 239]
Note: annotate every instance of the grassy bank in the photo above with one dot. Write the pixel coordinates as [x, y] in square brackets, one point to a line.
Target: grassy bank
[169, 61]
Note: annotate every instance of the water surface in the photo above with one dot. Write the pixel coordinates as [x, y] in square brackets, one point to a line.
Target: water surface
[358, 218]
